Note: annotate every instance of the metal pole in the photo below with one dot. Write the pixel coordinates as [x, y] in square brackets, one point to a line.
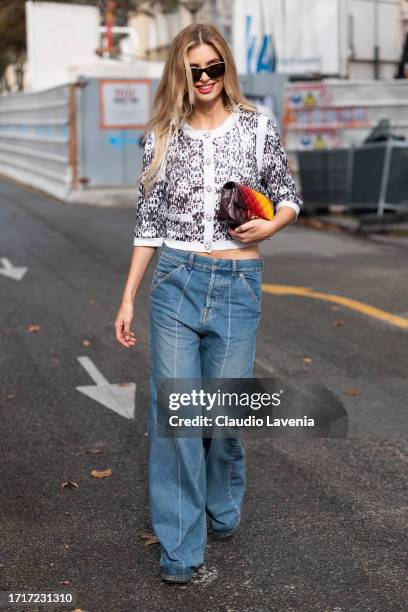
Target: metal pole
[385, 177]
[376, 41]
[350, 168]
[340, 26]
[285, 40]
[109, 21]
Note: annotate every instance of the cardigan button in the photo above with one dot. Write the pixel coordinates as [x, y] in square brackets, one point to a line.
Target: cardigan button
[207, 134]
[208, 217]
[209, 188]
[207, 246]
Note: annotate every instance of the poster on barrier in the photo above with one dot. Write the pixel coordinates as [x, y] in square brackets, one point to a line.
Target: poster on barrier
[124, 104]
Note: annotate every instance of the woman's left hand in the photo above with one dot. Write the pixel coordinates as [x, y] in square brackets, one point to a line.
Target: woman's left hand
[254, 230]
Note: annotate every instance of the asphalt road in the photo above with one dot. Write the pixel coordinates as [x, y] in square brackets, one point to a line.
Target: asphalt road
[325, 522]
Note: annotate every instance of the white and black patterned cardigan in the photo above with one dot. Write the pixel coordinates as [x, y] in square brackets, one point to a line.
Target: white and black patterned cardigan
[181, 208]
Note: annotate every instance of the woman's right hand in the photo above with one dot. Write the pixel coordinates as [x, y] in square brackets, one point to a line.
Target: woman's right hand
[122, 325]
[141, 257]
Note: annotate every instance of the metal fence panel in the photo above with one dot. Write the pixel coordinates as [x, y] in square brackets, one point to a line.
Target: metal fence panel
[397, 187]
[106, 157]
[367, 175]
[35, 138]
[325, 177]
[379, 176]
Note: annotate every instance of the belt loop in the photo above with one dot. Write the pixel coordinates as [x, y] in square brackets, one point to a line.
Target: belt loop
[234, 268]
[190, 262]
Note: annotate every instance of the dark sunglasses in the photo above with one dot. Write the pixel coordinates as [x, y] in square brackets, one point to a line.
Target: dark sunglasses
[214, 71]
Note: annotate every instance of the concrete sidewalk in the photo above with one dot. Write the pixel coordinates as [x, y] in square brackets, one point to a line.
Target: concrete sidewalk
[395, 233]
[114, 197]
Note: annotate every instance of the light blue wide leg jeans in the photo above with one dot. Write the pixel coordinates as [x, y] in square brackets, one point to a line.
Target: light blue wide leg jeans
[204, 317]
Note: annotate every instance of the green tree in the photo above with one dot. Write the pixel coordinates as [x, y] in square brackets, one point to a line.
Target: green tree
[13, 50]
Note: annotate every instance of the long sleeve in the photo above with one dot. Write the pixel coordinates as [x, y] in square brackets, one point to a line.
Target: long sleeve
[150, 220]
[276, 174]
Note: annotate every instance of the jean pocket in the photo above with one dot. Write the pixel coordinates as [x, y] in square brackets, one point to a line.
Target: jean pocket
[164, 270]
[252, 281]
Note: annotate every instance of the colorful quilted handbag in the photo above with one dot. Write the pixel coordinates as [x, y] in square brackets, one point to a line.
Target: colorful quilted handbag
[240, 203]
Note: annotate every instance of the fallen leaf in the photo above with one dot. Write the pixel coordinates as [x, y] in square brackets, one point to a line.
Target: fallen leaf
[307, 360]
[150, 539]
[34, 328]
[94, 451]
[335, 307]
[338, 322]
[55, 359]
[11, 396]
[70, 484]
[101, 473]
[314, 223]
[351, 392]
[86, 343]
[65, 582]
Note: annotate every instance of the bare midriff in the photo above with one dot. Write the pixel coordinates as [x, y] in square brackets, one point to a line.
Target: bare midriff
[251, 252]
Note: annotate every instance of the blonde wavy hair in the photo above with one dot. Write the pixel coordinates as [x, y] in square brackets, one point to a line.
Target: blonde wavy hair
[174, 97]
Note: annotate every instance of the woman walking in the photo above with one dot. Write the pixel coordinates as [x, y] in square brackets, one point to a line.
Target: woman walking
[205, 296]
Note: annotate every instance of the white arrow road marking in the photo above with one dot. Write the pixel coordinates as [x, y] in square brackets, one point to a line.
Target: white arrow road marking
[11, 271]
[119, 397]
